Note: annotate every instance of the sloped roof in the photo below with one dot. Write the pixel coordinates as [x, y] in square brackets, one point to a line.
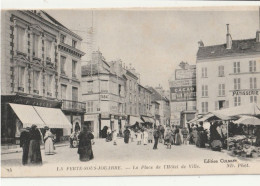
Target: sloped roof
[156, 96]
[239, 47]
[93, 69]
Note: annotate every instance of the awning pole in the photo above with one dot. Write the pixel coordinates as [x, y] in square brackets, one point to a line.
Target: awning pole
[227, 135]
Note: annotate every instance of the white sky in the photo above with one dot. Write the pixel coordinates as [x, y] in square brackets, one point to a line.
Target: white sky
[156, 41]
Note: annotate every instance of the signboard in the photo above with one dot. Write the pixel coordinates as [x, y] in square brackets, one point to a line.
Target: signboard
[105, 115]
[185, 73]
[184, 82]
[104, 96]
[245, 92]
[183, 93]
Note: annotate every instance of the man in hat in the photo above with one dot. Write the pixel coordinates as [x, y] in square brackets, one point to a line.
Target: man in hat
[24, 143]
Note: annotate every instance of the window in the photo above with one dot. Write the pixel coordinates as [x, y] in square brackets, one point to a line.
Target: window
[237, 83]
[119, 90]
[104, 85]
[252, 66]
[75, 93]
[130, 98]
[49, 85]
[20, 39]
[204, 72]
[253, 83]
[237, 101]
[90, 106]
[74, 68]
[63, 92]
[35, 45]
[130, 85]
[204, 90]
[221, 89]
[204, 106]
[21, 77]
[236, 66]
[90, 86]
[74, 43]
[221, 71]
[48, 50]
[62, 38]
[36, 77]
[253, 99]
[62, 65]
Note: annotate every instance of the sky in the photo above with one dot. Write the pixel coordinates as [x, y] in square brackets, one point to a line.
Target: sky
[155, 41]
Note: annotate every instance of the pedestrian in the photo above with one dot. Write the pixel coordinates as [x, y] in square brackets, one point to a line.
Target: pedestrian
[132, 135]
[156, 137]
[109, 135]
[138, 137]
[257, 134]
[150, 135]
[168, 138]
[48, 142]
[34, 156]
[145, 134]
[24, 143]
[200, 139]
[114, 137]
[177, 137]
[126, 135]
[184, 133]
[85, 147]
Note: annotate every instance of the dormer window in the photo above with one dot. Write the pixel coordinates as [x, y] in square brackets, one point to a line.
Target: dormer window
[74, 43]
[62, 38]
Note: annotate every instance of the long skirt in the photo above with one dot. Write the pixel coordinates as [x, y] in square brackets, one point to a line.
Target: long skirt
[49, 148]
[200, 140]
[34, 156]
[25, 154]
[177, 139]
[126, 138]
[86, 153]
[145, 140]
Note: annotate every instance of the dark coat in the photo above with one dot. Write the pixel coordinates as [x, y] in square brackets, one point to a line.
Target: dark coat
[25, 143]
[85, 147]
[126, 135]
[35, 156]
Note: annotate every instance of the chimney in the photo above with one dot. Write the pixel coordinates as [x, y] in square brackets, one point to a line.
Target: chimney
[201, 44]
[228, 39]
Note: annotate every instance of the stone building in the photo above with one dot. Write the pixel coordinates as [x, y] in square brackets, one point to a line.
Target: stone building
[30, 74]
[228, 75]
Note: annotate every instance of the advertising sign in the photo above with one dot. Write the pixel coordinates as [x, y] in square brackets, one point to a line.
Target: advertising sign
[183, 93]
[104, 96]
[184, 82]
[185, 73]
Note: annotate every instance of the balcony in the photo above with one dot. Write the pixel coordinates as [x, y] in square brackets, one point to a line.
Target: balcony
[73, 106]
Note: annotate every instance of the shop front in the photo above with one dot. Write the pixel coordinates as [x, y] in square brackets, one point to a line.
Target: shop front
[92, 121]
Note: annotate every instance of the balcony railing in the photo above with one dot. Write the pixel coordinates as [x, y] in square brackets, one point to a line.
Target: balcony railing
[73, 106]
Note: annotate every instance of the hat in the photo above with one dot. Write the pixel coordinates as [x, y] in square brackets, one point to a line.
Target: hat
[34, 126]
[46, 128]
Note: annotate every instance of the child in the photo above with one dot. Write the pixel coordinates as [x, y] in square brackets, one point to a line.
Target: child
[138, 137]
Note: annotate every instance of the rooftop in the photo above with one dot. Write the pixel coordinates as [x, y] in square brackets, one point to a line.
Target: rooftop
[239, 47]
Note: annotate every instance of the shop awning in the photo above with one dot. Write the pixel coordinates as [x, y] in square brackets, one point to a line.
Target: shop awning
[53, 118]
[146, 119]
[248, 120]
[27, 115]
[134, 119]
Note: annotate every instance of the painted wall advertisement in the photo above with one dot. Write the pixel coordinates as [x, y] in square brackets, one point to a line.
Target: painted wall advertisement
[183, 93]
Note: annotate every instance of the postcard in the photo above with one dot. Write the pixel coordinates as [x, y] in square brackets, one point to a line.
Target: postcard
[130, 91]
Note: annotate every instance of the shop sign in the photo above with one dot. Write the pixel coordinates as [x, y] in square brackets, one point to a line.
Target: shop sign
[90, 117]
[104, 96]
[183, 89]
[184, 82]
[245, 92]
[185, 73]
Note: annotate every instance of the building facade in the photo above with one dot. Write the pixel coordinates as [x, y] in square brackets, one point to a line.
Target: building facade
[183, 94]
[228, 75]
[30, 71]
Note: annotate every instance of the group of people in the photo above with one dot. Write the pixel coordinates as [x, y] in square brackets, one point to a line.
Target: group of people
[31, 139]
[144, 135]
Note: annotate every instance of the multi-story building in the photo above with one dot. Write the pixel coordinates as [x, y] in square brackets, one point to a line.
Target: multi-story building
[30, 73]
[183, 94]
[145, 104]
[155, 112]
[164, 105]
[103, 90]
[228, 75]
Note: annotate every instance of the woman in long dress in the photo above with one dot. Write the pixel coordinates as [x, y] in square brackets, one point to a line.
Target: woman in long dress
[48, 146]
[85, 147]
[145, 133]
[177, 137]
[34, 155]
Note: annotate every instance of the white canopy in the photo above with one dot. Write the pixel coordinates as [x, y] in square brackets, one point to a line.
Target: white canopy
[250, 109]
[27, 115]
[134, 119]
[53, 117]
[248, 120]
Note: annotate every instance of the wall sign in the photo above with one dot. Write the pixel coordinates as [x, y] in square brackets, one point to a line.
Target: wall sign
[245, 92]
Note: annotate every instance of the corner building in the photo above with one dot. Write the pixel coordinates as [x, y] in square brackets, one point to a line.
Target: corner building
[228, 75]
